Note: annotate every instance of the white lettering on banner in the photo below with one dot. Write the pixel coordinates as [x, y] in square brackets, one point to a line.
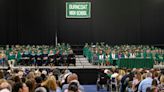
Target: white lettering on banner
[78, 6]
[81, 13]
[78, 9]
[70, 6]
[77, 13]
[72, 12]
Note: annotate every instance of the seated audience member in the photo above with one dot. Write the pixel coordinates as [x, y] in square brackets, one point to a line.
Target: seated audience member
[145, 83]
[148, 89]
[20, 87]
[5, 90]
[17, 79]
[121, 73]
[63, 77]
[115, 74]
[156, 76]
[161, 85]
[56, 73]
[51, 84]
[108, 73]
[73, 87]
[5, 86]
[125, 80]
[31, 85]
[154, 87]
[136, 81]
[38, 81]
[31, 76]
[72, 78]
[129, 87]
[41, 89]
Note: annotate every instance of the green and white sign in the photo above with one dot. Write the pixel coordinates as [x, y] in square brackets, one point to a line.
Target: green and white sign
[78, 9]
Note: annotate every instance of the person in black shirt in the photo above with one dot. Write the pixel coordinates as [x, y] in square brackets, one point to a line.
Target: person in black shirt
[57, 58]
[71, 58]
[26, 57]
[39, 58]
[51, 57]
[45, 57]
[64, 58]
[33, 58]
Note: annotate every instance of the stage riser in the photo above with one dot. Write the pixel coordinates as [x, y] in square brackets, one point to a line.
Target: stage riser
[86, 76]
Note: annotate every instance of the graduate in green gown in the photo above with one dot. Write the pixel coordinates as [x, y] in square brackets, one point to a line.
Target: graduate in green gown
[101, 57]
[11, 59]
[45, 57]
[157, 57]
[149, 54]
[18, 57]
[108, 57]
[33, 57]
[126, 54]
[90, 54]
[85, 50]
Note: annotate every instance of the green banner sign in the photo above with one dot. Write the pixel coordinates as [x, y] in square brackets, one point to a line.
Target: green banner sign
[78, 9]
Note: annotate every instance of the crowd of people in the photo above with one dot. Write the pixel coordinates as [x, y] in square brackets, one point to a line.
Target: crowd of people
[39, 80]
[55, 80]
[104, 54]
[37, 55]
[136, 80]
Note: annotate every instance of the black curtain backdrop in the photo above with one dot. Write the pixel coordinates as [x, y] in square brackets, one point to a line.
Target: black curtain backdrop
[112, 21]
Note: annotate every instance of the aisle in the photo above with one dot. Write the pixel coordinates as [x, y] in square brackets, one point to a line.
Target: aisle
[92, 88]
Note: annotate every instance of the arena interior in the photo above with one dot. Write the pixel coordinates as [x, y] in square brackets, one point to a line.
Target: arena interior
[81, 46]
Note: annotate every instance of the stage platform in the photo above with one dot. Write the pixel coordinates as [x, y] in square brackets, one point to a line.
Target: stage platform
[81, 63]
[86, 72]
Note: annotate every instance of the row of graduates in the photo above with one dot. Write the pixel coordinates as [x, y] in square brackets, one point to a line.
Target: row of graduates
[107, 54]
[37, 56]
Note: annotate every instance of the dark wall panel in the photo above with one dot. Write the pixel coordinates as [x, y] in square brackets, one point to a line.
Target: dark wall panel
[3, 21]
[8, 22]
[38, 21]
[73, 30]
[152, 21]
[116, 22]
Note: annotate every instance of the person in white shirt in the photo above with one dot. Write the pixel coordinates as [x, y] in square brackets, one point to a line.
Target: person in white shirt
[146, 83]
[101, 58]
[132, 55]
[113, 55]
